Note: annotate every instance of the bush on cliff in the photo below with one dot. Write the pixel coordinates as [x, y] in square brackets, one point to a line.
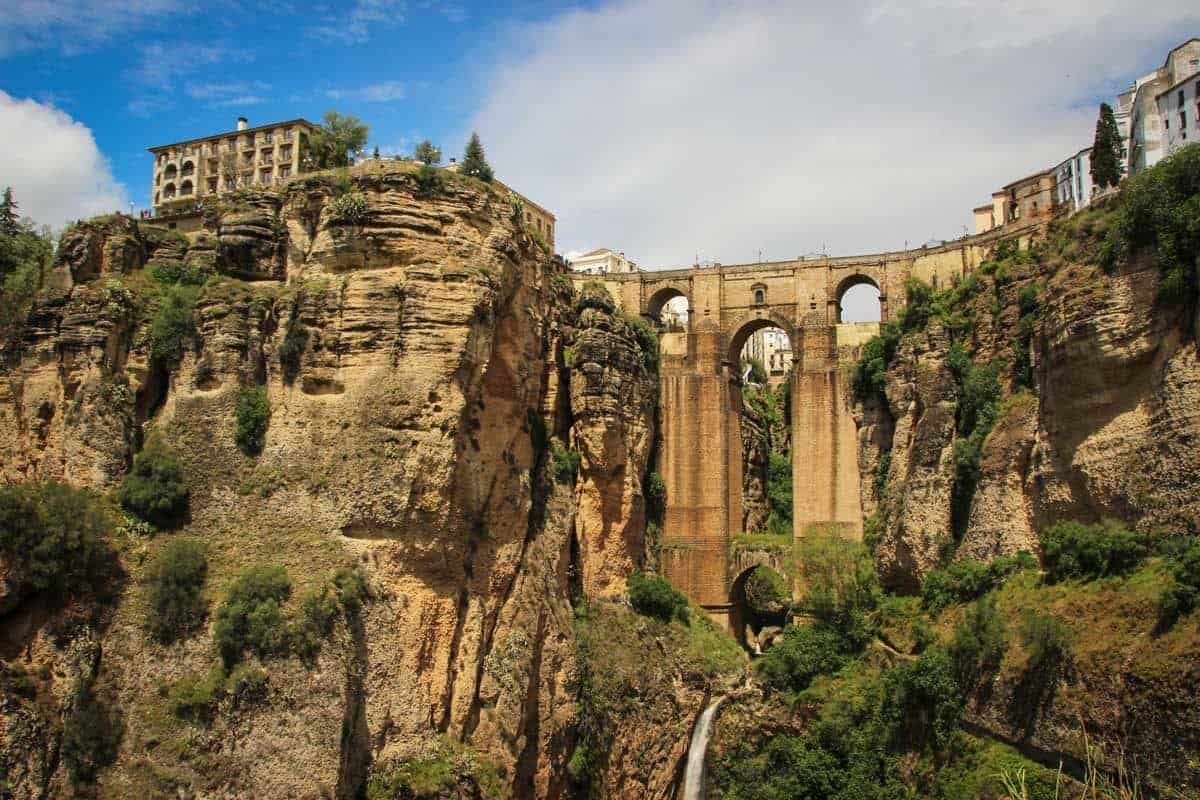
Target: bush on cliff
[647, 341]
[1158, 209]
[801, 653]
[979, 642]
[968, 579]
[564, 463]
[250, 618]
[653, 596]
[52, 539]
[154, 489]
[176, 578]
[1074, 551]
[842, 588]
[253, 415]
[447, 769]
[595, 295]
[767, 592]
[348, 209]
[291, 350]
[922, 702]
[173, 324]
[1183, 595]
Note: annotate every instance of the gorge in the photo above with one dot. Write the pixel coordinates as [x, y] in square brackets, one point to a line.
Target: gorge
[462, 524]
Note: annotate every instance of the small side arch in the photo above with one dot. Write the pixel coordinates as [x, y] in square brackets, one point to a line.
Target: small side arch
[862, 291]
[658, 301]
[745, 330]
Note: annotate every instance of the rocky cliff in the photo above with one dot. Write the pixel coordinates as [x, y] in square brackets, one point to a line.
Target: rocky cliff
[410, 342]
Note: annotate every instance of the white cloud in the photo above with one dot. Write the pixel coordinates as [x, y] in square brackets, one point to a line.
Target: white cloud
[671, 128]
[355, 25]
[383, 92]
[72, 26]
[56, 171]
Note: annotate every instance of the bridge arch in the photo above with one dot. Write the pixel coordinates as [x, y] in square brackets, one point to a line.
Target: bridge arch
[744, 329]
[860, 288]
[747, 622]
[659, 299]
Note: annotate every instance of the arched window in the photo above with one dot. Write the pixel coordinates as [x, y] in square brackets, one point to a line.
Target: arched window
[760, 294]
[185, 188]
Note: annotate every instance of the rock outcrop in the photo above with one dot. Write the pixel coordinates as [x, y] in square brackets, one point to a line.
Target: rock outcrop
[413, 362]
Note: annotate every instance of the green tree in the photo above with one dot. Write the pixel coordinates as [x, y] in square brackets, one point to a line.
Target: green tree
[428, 153]
[474, 163]
[176, 577]
[336, 141]
[154, 489]
[9, 219]
[253, 416]
[1106, 150]
[250, 617]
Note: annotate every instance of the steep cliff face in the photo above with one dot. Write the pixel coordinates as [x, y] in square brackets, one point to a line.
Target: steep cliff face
[410, 350]
[1101, 432]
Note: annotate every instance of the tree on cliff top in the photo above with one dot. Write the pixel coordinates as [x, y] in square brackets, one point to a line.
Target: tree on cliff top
[427, 152]
[9, 219]
[1106, 150]
[474, 162]
[337, 140]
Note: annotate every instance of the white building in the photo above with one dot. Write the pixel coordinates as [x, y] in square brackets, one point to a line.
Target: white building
[1147, 131]
[1179, 108]
[773, 349]
[1073, 181]
[603, 262]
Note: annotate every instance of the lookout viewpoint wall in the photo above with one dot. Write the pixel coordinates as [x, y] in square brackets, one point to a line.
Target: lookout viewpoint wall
[700, 457]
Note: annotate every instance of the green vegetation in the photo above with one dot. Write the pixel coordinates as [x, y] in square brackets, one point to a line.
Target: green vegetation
[595, 295]
[91, 735]
[24, 255]
[1106, 150]
[348, 209]
[474, 162]
[253, 416]
[979, 642]
[1158, 210]
[647, 341]
[176, 578]
[966, 580]
[344, 593]
[1074, 551]
[758, 373]
[194, 697]
[53, 539]
[800, 654]
[173, 325]
[1050, 647]
[154, 489]
[251, 617]
[1027, 305]
[291, 350]
[977, 411]
[779, 492]
[1182, 596]
[654, 596]
[842, 589]
[427, 153]
[336, 141]
[655, 491]
[882, 470]
[449, 770]
[10, 224]
[767, 592]
[564, 463]
[429, 181]
[171, 273]
[922, 702]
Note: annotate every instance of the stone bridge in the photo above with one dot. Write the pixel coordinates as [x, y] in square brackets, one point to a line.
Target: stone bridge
[700, 458]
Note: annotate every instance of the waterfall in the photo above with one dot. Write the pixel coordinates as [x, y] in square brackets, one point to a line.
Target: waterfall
[693, 778]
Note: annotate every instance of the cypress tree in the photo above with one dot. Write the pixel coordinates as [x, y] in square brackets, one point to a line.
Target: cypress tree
[8, 214]
[1106, 150]
[474, 163]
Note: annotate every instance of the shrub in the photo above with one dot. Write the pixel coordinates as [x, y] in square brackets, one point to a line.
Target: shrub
[1049, 643]
[344, 592]
[194, 697]
[429, 181]
[882, 469]
[246, 684]
[967, 579]
[291, 350]
[1075, 551]
[647, 341]
[448, 769]
[1158, 209]
[655, 491]
[767, 592]
[1183, 595]
[176, 578]
[52, 538]
[92, 731]
[779, 489]
[173, 323]
[253, 416]
[870, 372]
[800, 654]
[842, 588]
[154, 489]
[980, 640]
[170, 273]
[250, 618]
[654, 596]
[918, 306]
[595, 295]
[564, 463]
[922, 701]
[348, 209]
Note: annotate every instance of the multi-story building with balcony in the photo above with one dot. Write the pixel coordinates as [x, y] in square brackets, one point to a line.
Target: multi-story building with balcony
[187, 172]
[1149, 129]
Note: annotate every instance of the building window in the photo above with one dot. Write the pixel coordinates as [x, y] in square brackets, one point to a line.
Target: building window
[1181, 98]
[285, 172]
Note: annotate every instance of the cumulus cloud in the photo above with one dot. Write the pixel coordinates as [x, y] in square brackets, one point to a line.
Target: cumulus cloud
[383, 92]
[53, 164]
[72, 26]
[672, 129]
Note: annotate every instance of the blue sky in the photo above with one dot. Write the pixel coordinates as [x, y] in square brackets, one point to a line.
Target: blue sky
[669, 129]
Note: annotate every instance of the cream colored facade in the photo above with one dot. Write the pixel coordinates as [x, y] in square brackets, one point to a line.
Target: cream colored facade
[1147, 126]
[603, 262]
[187, 172]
